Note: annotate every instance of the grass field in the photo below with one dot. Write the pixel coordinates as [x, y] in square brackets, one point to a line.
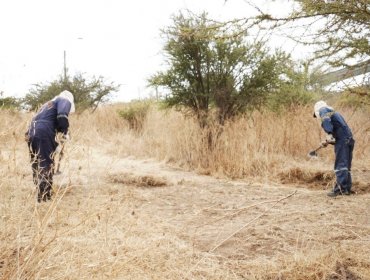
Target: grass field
[164, 204]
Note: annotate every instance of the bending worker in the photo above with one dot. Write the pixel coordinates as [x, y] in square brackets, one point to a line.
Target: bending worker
[50, 119]
[338, 134]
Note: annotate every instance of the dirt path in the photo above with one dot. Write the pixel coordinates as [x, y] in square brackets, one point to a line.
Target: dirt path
[233, 225]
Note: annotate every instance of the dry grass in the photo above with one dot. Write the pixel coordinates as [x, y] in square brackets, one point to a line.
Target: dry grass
[140, 181]
[100, 225]
[262, 145]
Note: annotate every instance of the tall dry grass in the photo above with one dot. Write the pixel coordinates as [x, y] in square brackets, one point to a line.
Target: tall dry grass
[96, 235]
[259, 145]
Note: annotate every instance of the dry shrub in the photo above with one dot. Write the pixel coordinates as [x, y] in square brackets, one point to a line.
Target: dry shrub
[314, 264]
[94, 234]
[260, 145]
[96, 128]
[312, 178]
[320, 180]
[361, 187]
[137, 180]
[336, 265]
[13, 126]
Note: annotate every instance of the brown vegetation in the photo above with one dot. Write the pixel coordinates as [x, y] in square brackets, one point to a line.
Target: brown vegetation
[246, 221]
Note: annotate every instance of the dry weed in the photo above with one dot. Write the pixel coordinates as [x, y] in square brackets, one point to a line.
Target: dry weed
[137, 180]
[95, 229]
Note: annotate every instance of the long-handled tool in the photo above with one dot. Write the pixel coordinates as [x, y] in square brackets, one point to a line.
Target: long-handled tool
[313, 153]
[57, 166]
[329, 140]
[59, 152]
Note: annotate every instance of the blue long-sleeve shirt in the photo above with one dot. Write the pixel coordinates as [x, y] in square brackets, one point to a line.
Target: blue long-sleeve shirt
[333, 123]
[51, 118]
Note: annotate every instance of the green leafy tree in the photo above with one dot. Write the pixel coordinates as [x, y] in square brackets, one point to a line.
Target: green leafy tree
[208, 68]
[340, 29]
[88, 93]
[189, 57]
[297, 86]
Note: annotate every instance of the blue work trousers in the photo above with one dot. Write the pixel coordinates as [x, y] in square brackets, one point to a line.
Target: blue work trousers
[342, 167]
[42, 147]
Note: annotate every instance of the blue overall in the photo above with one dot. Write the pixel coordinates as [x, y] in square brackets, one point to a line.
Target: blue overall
[51, 118]
[333, 123]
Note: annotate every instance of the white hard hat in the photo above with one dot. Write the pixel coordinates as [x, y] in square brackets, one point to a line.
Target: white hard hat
[69, 96]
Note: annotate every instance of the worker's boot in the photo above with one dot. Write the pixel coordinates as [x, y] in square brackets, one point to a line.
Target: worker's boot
[334, 194]
[48, 190]
[44, 192]
[49, 183]
[35, 173]
[47, 195]
[45, 183]
[338, 190]
[40, 192]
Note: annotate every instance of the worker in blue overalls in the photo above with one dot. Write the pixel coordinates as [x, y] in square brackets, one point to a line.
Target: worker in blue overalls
[49, 120]
[338, 134]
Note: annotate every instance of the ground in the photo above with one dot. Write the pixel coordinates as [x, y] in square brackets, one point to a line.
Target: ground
[119, 217]
[219, 224]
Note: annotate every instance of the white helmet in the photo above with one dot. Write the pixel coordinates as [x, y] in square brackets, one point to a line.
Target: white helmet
[318, 106]
[69, 96]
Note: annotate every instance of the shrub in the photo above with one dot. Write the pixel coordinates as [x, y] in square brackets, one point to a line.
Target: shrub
[358, 97]
[9, 102]
[135, 114]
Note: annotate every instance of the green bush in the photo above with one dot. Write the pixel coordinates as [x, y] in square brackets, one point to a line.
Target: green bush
[88, 93]
[135, 114]
[9, 102]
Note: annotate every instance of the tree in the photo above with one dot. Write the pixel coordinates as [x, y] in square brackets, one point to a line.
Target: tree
[8, 102]
[340, 30]
[87, 93]
[189, 58]
[208, 68]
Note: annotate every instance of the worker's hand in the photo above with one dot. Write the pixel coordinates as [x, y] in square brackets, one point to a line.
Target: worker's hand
[330, 139]
[324, 144]
[58, 149]
[65, 138]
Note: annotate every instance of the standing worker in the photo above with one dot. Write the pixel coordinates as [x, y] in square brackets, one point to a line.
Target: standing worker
[49, 120]
[338, 134]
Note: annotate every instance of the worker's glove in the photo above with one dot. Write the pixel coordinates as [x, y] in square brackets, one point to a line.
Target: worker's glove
[329, 140]
[324, 144]
[65, 138]
[58, 150]
[62, 138]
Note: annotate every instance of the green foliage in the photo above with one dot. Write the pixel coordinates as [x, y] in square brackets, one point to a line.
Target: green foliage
[297, 87]
[212, 68]
[9, 102]
[88, 93]
[339, 30]
[135, 114]
[357, 97]
[346, 30]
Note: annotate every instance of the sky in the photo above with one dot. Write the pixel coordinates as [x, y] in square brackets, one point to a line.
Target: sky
[116, 39]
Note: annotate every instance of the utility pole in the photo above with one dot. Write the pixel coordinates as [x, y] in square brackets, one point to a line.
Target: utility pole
[65, 67]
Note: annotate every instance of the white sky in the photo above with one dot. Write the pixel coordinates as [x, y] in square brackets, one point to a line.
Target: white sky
[116, 39]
